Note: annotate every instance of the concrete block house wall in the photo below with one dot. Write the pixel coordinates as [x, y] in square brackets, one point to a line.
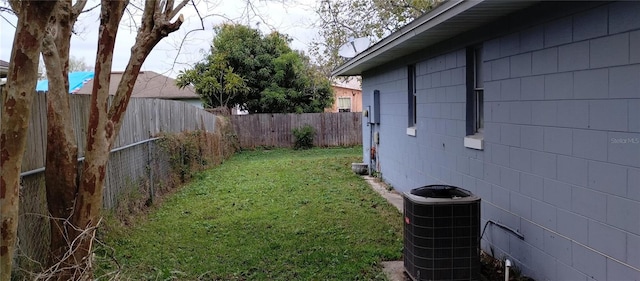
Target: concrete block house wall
[561, 156]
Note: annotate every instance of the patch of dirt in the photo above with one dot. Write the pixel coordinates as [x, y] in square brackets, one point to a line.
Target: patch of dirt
[394, 270]
[492, 269]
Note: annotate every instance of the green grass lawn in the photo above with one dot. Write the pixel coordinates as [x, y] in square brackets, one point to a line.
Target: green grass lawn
[265, 215]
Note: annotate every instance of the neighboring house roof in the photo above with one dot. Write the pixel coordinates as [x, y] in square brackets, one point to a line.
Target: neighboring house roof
[449, 19]
[148, 85]
[346, 88]
[76, 81]
[349, 83]
[4, 68]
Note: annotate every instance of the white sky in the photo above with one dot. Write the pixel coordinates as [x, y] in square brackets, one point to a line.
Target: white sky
[292, 17]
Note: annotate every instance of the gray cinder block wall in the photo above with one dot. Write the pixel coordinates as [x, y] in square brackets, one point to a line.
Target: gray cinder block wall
[561, 162]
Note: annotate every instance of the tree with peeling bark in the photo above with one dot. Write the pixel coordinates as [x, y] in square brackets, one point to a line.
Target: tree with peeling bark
[62, 149]
[16, 102]
[105, 120]
[74, 201]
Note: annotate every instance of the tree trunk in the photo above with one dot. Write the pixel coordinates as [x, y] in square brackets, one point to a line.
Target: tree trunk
[20, 88]
[105, 122]
[88, 202]
[61, 168]
[62, 153]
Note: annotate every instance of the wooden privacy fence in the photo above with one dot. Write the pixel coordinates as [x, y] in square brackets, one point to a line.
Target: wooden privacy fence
[135, 162]
[144, 119]
[274, 130]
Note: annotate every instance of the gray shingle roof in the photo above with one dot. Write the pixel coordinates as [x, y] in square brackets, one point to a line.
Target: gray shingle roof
[148, 85]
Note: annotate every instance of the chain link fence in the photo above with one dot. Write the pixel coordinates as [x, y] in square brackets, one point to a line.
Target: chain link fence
[136, 174]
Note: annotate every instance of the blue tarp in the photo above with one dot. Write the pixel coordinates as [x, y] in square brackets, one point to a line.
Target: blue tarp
[76, 80]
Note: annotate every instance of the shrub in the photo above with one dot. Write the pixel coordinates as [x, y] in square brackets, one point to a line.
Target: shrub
[303, 137]
[185, 153]
[190, 152]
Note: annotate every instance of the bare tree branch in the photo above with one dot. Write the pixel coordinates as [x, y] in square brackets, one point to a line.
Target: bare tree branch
[80, 270]
[177, 9]
[167, 6]
[136, 6]
[9, 22]
[202, 27]
[91, 9]
[132, 18]
[7, 10]
[78, 7]
[251, 7]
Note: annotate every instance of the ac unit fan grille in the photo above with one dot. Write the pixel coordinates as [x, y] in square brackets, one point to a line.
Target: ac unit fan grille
[442, 240]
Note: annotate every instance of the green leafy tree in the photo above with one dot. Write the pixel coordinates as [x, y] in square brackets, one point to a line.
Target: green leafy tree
[262, 74]
[296, 88]
[215, 82]
[375, 19]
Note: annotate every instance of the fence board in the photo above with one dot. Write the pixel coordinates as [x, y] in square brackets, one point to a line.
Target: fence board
[274, 130]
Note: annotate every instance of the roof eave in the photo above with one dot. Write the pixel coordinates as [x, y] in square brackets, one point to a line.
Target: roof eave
[439, 14]
[348, 88]
[438, 20]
